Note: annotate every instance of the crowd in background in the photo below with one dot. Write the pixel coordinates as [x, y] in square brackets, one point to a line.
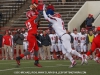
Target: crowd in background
[50, 45]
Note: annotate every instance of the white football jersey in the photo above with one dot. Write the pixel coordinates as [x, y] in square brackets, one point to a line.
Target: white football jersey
[59, 40]
[53, 38]
[57, 24]
[25, 35]
[75, 37]
[82, 38]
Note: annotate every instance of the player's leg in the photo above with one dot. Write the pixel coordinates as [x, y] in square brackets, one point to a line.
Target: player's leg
[10, 52]
[25, 49]
[48, 52]
[67, 45]
[36, 49]
[68, 55]
[85, 50]
[17, 50]
[5, 49]
[59, 51]
[32, 47]
[45, 52]
[82, 48]
[51, 51]
[56, 50]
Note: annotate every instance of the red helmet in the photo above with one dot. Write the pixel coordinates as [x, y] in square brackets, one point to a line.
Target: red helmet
[30, 14]
[57, 15]
[98, 28]
[74, 29]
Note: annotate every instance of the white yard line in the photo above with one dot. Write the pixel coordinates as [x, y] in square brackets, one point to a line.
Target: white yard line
[29, 67]
[9, 69]
[14, 63]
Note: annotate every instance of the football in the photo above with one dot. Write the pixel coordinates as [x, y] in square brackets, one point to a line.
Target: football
[33, 7]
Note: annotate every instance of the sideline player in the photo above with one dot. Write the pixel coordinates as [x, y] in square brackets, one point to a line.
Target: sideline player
[31, 24]
[75, 36]
[53, 43]
[82, 38]
[58, 26]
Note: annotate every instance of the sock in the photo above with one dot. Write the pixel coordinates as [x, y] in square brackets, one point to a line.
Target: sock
[74, 52]
[36, 58]
[68, 55]
[36, 62]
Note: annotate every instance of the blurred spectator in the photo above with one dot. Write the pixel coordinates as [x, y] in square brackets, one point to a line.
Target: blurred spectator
[46, 42]
[18, 40]
[39, 39]
[12, 47]
[63, 2]
[50, 9]
[89, 39]
[89, 21]
[7, 44]
[69, 0]
[1, 16]
[40, 8]
[1, 40]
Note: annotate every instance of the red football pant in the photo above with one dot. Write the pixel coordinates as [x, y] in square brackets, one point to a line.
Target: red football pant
[32, 43]
[34, 1]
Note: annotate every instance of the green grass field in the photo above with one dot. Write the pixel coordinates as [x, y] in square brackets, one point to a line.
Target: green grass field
[50, 67]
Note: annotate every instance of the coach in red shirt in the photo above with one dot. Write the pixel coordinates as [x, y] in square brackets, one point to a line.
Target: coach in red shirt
[6, 44]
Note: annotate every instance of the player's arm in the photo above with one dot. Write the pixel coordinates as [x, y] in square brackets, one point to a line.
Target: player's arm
[37, 20]
[46, 17]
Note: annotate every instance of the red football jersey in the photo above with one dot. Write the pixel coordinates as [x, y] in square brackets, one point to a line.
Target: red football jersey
[31, 13]
[96, 42]
[31, 25]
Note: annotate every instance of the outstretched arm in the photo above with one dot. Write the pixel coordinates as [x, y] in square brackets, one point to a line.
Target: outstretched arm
[46, 17]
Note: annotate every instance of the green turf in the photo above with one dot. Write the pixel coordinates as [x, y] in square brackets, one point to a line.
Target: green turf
[50, 67]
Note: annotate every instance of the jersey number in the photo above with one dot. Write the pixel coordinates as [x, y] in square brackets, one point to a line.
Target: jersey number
[29, 26]
[76, 38]
[82, 38]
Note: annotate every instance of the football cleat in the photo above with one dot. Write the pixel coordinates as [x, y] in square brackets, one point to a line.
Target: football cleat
[18, 60]
[38, 65]
[73, 64]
